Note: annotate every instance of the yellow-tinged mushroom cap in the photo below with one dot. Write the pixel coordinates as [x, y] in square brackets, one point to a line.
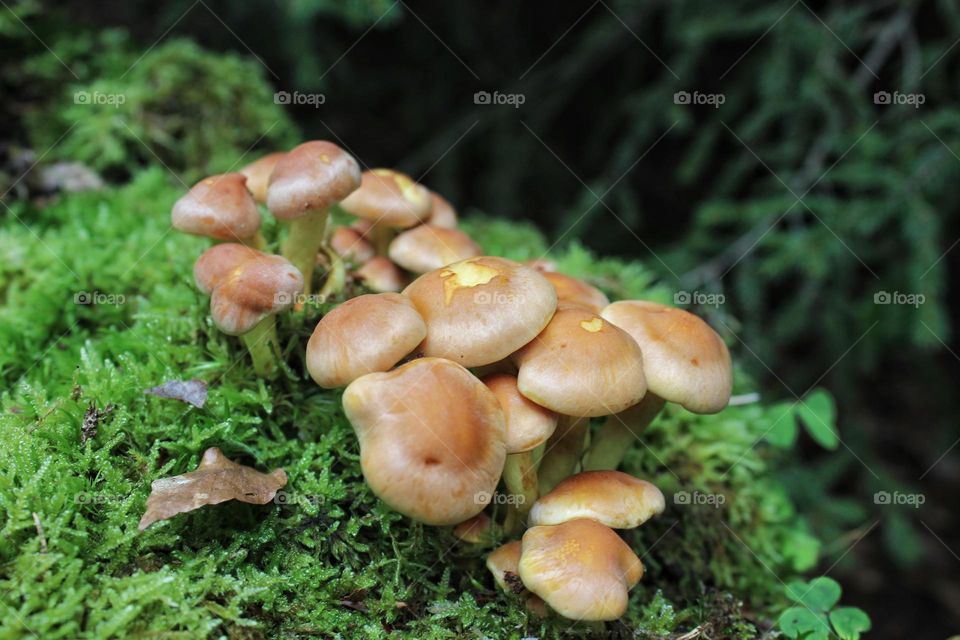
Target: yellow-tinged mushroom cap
[574, 291]
[581, 568]
[311, 176]
[258, 175]
[481, 310]
[365, 334]
[432, 439]
[612, 498]
[427, 247]
[389, 198]
[504, 564]
[218, 207]
[685, 360]
[581, 365]
[475, 530]
[528, 424]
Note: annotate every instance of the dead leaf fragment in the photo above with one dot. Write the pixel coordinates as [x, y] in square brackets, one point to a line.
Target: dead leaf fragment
[190, 391]
[91, 420]
[216, 480]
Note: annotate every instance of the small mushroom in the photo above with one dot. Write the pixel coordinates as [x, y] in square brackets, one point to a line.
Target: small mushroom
[481, 310]
[432, 439]
[363, 335]
[304, 184]
[247, 289]
[427, 247]
[381, 275]
[581, 568]
[348, 243]
[442, 214]
[685, 362]
[219, 207]
[258, 175]
[504, 565]
[389, 200]
[476, 530]
[612, 498]
[574, 291]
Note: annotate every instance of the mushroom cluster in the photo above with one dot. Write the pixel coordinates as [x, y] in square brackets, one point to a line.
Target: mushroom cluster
[470, 380]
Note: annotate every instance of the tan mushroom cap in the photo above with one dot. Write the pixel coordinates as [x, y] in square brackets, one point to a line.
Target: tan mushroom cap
[246, 286]
[432, 439]
[528, 424]
[258, 175]
[389, 198]
[365, 334]
[581, 568]
[474, 530]
[218, 207]
[481, 310]
[575, 291]
[504, 564]
[686, 362]
[348, 243]
[311, 176]
[381, 275]
[427, 247]
[542, 265]
[442, 214]
[612, 498]
[581, 365]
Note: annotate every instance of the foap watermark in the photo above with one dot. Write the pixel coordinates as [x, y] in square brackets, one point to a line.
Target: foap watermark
[485, 498]
[498, 297]
[699, 298]
[297, 98]
[88, 298]
[897, 297]
[897, 98]
[86, 497]
[900, 499]
[99, 98]
[287, 499]
[496, 98]
[687, 498]
[282, 298]
[699, 98]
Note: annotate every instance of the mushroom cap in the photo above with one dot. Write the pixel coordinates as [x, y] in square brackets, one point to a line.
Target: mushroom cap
[503, 561]
[612, 498]
[581, 568]
[258, 175]
[528, 424]
[380, 274]
[432, 439]
[474, 530]
[218, 207]
[246, 286]
[442, 214]
[389, 198]
[574, 291]
[348, 243]
[685, 360]
[482, 309]
[581, 365]
[427, 247]
[369, 333]
[313, 175]
[541, 264]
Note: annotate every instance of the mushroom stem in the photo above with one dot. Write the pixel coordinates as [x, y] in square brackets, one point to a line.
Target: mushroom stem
[520, 479]
[336, 274]
[304, 239]
[256, 242]
[563, 452]
[618, 433]
[261, 342]
[380, 237]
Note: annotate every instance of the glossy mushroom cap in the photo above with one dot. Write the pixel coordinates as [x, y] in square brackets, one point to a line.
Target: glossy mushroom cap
[581, 365]
[482, 309]
[442, 214]
[245, 285]
[389, 198]
[685, 360]
[581, 568]
[528, 424]
[348, 243]
[258, 175]
[218, 207]
[311, 176]
[426, 247]
[432, 439]
[381, 275]
[612, 498]
[574, 291]
[504, 564]
[363, 335]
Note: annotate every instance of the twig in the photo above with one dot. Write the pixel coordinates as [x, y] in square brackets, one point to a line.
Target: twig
[43, 538]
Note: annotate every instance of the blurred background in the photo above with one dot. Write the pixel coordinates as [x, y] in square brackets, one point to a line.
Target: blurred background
[790, 169]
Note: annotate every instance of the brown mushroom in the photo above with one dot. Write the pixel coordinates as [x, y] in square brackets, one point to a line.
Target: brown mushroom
[442, 213]
[381, 275]
[348, 243]
[389, 200]
[219, 207]
[427, 247]
[612, 498]
[258, 175]
[574, 291]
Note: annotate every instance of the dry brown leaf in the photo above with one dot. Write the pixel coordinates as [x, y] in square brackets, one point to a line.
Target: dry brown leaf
[216, 480]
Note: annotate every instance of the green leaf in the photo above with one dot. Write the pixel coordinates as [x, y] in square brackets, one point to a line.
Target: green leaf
[849, 622]
[820, 594]
[818, 414]
[783, 430]
[799, 622]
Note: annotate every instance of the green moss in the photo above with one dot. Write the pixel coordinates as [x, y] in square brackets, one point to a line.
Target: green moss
[331, 561]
